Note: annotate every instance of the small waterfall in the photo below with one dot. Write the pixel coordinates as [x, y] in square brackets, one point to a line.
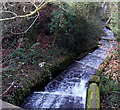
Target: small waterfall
[68, 90]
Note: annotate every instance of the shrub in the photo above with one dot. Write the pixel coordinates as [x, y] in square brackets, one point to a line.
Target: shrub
[75, 25]
[62, 24]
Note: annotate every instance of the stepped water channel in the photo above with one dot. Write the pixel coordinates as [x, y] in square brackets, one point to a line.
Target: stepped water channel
[68, 90]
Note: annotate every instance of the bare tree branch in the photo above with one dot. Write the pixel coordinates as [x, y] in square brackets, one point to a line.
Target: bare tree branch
[30, 18]
[28, 27]
[29, 14]
[12, 84]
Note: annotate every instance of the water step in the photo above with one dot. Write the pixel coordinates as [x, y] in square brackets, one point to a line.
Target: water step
[78, 67]
[92, 61]
[108, 38]
[108, 32]
[52, 100]
[64, 91]
[73, 77]
[106, 44]
[99, 53]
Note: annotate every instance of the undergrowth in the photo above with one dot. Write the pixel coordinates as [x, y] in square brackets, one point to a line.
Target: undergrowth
[110, 92]
[110, 84]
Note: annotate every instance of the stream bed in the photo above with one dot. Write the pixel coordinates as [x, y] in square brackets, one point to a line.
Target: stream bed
[68, 90]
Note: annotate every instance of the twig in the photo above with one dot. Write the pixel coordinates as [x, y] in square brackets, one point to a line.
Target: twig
[24, 9]
[30, 18]
[9, 12]
[27, 28]
[27, 15]
[12, 84]
[107, 22]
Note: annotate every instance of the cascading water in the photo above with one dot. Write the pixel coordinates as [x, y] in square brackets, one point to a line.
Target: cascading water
[68, 90]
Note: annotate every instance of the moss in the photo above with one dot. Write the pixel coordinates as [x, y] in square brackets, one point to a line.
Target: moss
[62, 64]
[86, 51]
[93, 97]
[94, 79]
[91, 48]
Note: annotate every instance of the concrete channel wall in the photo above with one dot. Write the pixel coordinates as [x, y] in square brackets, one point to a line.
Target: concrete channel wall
[4, 105]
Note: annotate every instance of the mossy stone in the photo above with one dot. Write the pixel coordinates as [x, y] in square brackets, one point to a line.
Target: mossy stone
[94, 79]
[93, 97]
